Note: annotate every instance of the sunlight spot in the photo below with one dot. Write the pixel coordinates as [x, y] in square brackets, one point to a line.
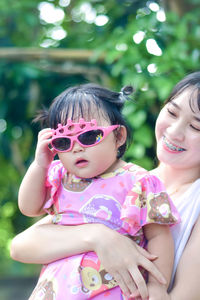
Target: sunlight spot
[64, 3]
[57, 33]
[153, 48]
[145, 87]
[48, 43]
[153, 6]
[138, 37]
[16, 132]
[49, 13]
[89, 12]
[121, 47]
[138, 68]
[101, 20]
[152, 68]
[161, 17]
[3, 125]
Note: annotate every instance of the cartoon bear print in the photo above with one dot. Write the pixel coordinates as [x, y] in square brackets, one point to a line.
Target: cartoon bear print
[95, 279]
[160, 210]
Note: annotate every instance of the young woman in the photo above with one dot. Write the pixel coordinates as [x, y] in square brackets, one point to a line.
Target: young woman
[178, 142]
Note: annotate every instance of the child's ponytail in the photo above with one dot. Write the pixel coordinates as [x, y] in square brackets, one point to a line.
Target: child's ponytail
[124, 94]
[126, 91]
[42, 117]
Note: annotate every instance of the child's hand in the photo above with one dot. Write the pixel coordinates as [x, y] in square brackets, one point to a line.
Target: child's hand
[43, 154]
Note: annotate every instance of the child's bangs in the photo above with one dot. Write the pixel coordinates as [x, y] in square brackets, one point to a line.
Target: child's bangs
[82, 106]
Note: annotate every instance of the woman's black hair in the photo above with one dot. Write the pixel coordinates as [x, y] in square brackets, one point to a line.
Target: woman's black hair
[83, 101]
[192, 82]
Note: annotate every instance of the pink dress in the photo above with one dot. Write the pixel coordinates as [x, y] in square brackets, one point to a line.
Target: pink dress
[125, 201]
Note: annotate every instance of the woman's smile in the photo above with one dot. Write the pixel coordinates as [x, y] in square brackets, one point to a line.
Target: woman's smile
[178, 134]
[169, 146]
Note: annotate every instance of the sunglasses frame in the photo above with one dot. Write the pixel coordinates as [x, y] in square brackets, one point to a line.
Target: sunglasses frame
[77, 129]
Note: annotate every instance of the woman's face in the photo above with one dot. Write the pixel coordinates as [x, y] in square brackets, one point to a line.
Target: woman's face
[178, 133]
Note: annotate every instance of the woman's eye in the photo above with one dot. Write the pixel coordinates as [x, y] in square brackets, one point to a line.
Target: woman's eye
[171, 113]
[195, 128]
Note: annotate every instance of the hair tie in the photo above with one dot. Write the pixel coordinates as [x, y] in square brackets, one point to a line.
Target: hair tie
[125, 92]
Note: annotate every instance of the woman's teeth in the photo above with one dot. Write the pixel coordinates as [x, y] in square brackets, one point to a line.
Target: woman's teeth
[171, 146]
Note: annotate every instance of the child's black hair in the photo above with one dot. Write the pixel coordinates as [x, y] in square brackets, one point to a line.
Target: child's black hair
[85, 100]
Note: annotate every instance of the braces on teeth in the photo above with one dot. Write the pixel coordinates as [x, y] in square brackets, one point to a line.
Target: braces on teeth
[172, 147]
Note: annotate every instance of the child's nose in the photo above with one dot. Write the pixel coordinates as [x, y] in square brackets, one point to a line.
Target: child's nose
[77, 147]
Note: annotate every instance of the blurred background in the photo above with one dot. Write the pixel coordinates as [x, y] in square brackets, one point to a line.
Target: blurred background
[47, 46]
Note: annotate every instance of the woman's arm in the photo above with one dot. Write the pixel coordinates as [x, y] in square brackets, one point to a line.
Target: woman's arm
[45, 242]
[186, 285]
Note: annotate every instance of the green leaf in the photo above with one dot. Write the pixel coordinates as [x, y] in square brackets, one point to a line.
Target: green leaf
[144, 136]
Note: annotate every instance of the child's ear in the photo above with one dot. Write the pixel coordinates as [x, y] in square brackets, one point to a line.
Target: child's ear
[121, 136]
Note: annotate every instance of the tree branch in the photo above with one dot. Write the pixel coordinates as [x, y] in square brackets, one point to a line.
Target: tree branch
[29, 54]
[180, 7]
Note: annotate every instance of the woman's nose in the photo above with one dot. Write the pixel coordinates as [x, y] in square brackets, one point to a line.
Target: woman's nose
[177, 130]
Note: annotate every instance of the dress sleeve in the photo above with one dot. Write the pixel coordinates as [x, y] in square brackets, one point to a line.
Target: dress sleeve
[55, 174]
[148, 202]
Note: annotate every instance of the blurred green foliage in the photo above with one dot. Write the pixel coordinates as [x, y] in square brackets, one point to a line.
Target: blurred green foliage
[27, 85]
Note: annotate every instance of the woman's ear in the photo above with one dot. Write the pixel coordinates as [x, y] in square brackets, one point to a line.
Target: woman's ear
[121, 136]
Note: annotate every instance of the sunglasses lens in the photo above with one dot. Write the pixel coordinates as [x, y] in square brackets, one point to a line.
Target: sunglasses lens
[61, 144]
[91, 137]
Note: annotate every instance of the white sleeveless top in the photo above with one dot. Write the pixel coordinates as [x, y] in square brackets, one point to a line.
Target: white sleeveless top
[188, 207]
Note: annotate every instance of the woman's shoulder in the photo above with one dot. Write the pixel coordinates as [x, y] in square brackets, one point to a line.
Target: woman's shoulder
[196, 185]
[197, 226]
[192, 193]
[136, 169]
[143, 174]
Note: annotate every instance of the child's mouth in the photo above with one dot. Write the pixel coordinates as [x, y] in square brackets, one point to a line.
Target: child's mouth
[81, 163]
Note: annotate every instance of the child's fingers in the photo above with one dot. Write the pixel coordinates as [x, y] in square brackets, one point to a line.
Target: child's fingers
[45, 133]
[45, 139]
[52, 149]
[44, 148]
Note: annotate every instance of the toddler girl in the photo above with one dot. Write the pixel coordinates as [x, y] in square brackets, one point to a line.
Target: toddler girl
[90, 183]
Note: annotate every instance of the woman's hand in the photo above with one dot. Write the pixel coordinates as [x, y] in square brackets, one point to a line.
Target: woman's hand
[121, 257]
[157, 291]
[43, 154]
